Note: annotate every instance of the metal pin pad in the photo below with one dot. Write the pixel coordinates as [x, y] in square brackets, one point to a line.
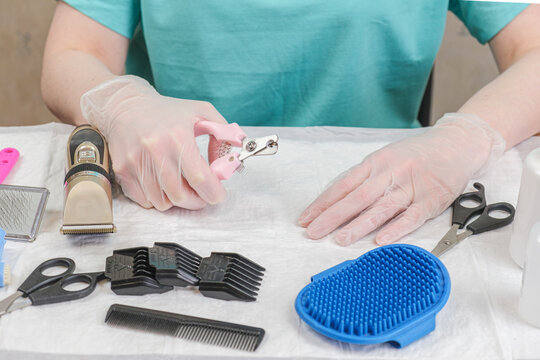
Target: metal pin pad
[21, 211]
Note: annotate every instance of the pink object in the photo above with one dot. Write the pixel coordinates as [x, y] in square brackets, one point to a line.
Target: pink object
[8, 158]
[227, 164]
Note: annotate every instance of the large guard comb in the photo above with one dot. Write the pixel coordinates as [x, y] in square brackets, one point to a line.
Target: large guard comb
[226, 276]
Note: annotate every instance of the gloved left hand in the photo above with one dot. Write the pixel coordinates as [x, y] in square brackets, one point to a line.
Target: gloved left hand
[152, 143]
[414, 179]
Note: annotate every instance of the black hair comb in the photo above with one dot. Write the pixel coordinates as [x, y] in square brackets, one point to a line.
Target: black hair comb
[236, 336]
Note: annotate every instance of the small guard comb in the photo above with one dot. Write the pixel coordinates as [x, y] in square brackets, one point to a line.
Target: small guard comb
[131, 274]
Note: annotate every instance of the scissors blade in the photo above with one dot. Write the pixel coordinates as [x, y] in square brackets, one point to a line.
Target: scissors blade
[449, 240]
[6, 305]
[464, 235]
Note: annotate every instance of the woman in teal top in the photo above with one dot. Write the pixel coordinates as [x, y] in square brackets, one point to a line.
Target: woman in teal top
[294, 63]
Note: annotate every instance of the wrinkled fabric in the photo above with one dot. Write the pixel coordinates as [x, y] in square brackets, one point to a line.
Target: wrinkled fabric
[294, 63]
[480, 320]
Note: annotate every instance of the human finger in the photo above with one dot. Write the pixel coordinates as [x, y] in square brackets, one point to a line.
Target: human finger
[345, 209]
[125, 174]
[374, 217]
[207, 111]
[199, 175]
[408, 221]
[133, 190]
[177, 189]
[341, 187]
[149, 178]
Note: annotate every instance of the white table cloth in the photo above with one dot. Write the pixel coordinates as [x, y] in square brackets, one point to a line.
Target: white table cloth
[480, 320]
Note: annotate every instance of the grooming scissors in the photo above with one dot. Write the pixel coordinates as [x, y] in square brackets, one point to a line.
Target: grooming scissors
[232, 135]
[462, 214]
[40, 289]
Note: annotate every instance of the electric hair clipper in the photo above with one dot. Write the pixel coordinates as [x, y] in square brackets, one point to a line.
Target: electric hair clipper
[87, 185]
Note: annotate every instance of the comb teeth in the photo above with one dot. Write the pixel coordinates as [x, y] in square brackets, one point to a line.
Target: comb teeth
[226, 276]
[235, 336]
[382, 290]
[141, 265]
[187, 260]
[244, 264]
[235, 276]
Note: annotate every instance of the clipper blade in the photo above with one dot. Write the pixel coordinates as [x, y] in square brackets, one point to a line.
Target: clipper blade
[88, 229]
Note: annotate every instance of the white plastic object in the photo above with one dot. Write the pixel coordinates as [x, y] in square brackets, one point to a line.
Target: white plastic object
[528, 206]
[529, 301]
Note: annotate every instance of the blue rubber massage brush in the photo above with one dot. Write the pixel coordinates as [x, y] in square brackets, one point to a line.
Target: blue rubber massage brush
[390, 294]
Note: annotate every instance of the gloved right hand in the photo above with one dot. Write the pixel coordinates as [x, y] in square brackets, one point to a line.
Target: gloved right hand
[152, 144]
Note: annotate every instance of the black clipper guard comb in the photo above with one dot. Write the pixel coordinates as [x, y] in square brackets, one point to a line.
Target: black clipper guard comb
[225, 276]
[131, 274]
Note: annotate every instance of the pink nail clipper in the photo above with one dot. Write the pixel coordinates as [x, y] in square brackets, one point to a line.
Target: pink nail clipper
[8, 158]
[232, 135]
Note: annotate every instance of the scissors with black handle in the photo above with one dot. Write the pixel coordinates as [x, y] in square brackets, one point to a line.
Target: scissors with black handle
[462, 214]
[40, 289]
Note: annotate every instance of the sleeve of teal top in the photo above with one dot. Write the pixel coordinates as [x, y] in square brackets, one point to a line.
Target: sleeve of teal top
[121, 16]
[485, 19]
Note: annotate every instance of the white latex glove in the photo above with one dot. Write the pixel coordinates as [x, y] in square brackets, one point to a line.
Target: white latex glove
[152, 143]
[414, 179]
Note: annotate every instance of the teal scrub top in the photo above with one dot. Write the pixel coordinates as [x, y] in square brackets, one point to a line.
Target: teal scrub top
[295, 62]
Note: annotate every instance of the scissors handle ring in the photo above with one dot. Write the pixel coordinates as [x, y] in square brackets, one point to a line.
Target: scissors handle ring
[57, 292]
[462, 214]
[487, 223]
[37, 279]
